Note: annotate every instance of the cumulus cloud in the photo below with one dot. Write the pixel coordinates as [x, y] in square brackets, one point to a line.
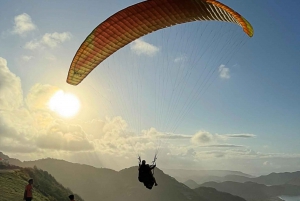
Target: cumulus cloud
[62, 136]
[23, 24]
[141, 47]
[202, 137]
[51, 40]
[11, 95]
[224, 72]
[31, 45]
[7, 131]
[39, 96]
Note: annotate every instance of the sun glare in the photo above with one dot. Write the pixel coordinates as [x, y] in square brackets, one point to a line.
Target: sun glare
[66, 105]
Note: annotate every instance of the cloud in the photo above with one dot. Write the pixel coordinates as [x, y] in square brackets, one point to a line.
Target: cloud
[23, 24]
[180, 59]
[153, 133]
[240, 135]
[175, 136]
[62, 136]
[32, 45]
[13, 146]
[51, 40]
[27, 58]
[208, 140]
[267, 163]
[39, 96]
[202, 137]
[224, 72]
[224, 146]
[141, 47]
[11, 95]
[7, 131]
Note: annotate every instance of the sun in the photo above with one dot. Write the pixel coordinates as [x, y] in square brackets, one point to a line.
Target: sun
[65, 104]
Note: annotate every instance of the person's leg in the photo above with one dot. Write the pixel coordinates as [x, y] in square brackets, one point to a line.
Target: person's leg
[154, 180]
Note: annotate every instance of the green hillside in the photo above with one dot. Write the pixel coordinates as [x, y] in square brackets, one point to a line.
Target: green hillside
[46, 188]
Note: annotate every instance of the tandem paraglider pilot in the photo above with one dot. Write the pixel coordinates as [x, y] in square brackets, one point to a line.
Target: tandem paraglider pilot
[146, 175]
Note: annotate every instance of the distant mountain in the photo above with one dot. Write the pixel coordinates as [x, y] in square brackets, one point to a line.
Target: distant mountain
[201, 176]
[237, 178]
[191, 184]
[46, 188]
[212, 194]
[277, 178]
[295, 181]
[95, 184]
[254, 192]
[270, 179]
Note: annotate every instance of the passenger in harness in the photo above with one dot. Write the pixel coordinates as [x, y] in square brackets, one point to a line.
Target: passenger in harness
[146, 174]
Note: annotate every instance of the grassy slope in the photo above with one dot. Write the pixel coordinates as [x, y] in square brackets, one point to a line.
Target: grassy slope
[46, 188]
[12, 185]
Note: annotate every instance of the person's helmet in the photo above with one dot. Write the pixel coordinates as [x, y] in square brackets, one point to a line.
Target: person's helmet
[143, 162]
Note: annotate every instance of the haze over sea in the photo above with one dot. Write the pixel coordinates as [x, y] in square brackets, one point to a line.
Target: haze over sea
[288, 198]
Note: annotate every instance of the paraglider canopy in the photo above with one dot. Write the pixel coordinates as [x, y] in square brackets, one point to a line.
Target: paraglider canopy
[143, 18]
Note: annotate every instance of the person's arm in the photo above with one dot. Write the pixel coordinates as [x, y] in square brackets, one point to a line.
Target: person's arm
[139, 158]
[152, 167]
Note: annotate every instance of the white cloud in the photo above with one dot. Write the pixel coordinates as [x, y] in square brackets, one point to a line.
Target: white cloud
[141, 47]
[11, 95]
[154, 134]
[51, 40]
[206, 139]
[63, 136]
[31, 45]
[202, 137]
[27, 58]
[224, 72]
[23, 24]
[180, 59]
[39, 96]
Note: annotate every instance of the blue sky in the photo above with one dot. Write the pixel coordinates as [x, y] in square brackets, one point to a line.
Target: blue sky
[252, 108]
